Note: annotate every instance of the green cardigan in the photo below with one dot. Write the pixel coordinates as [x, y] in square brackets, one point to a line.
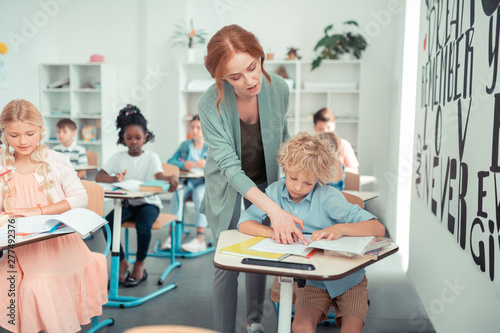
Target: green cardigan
[223, 174]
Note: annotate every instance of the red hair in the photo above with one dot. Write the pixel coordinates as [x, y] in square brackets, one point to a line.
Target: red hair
[223, 45]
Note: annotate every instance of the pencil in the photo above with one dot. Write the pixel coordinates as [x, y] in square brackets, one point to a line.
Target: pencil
[310, 254]
[6, 172]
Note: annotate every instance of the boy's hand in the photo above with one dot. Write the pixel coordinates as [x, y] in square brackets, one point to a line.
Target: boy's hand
[120, 176]
[330, 233]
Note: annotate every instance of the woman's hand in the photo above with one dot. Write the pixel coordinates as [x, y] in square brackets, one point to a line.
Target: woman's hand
[285, 227]
[174, 182]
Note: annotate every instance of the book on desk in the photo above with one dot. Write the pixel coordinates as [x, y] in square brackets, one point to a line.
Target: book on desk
[155, 186]
[80, 220]
[242, 249]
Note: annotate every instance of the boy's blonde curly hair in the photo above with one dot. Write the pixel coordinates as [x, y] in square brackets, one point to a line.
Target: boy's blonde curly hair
[314, 155]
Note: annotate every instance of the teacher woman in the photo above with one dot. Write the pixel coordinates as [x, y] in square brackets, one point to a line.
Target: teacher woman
[243, 120]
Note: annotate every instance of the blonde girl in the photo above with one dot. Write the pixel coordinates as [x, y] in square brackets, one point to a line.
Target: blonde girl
[58, 283]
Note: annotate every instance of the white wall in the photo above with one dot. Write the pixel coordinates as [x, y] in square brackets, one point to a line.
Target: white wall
[455, 243]
[135, 36]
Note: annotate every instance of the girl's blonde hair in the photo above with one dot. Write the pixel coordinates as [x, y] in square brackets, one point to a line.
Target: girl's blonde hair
[24, 111]
[313, 155]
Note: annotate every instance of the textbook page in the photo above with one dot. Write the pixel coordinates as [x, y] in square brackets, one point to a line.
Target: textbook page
[354, 245]
[81, 220]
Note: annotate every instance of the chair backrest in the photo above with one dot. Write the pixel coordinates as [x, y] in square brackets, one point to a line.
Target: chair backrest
[170, 169]
[355, 200]
[352, 181]
[95, 193]
[92, 157]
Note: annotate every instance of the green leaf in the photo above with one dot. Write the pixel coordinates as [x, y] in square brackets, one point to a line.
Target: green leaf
[316, 63]
[328, 28]
[351, 22]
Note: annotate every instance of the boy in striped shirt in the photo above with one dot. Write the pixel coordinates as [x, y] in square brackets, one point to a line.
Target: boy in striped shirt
[77, 154]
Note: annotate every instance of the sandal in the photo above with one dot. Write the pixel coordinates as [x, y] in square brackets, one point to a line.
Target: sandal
[133, 282]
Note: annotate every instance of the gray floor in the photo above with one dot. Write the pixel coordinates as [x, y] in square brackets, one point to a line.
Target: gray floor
[394, 305]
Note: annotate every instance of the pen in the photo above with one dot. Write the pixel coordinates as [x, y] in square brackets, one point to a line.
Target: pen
[310, 254]
[119, 193]
[116, 188]
[6, 172]
[55, 227]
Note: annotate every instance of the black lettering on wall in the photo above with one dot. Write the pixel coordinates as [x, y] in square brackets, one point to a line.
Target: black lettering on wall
[480, 259]
[493, 51]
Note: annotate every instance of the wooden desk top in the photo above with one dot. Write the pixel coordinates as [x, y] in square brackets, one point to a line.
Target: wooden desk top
[327, 267]
[366, 196]
[187, 174]
[4, 243]
[86, 167]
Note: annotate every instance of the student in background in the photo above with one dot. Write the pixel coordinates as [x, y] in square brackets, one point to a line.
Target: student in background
[308, 162]
[192, 154]
[59, 283]
[66, 131]
[324, 121]
[338, 180]
[141, 165]
[243, 112]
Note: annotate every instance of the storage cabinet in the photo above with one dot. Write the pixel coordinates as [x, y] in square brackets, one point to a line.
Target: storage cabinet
[336, 84]
[84, 93]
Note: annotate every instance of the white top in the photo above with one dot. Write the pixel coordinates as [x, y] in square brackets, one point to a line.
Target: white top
[143, 168]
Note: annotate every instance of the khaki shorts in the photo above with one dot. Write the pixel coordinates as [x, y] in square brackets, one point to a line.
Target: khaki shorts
[354, 302]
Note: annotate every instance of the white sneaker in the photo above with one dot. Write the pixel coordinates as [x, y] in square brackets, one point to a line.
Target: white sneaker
[167, 244]
[195, 245]
[255, 328]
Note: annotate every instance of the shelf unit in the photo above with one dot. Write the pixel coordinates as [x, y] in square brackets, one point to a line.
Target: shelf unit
[335, 84]
[85, 106]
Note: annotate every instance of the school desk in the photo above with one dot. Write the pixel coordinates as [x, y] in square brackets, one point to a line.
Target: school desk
[86, 168]
[119, 197]
[4, 242]
[366, 196]
[326, 268]
[179, 230]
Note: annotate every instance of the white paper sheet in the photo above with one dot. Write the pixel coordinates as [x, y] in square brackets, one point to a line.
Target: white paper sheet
[355, 245]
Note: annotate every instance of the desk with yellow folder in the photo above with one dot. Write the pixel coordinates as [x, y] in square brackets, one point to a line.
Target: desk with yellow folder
[325, 268]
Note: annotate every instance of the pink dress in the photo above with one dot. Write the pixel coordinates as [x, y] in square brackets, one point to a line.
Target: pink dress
[59, 283]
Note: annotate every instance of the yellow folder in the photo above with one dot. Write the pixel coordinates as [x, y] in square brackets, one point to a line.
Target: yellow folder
[242, 249]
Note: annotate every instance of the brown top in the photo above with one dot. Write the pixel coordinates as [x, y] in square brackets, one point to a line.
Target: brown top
[252, 152]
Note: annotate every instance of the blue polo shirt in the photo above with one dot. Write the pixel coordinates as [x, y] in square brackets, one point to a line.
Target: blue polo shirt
[322, 207]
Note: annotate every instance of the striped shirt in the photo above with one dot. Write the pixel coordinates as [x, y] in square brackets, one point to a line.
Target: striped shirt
[76, 153]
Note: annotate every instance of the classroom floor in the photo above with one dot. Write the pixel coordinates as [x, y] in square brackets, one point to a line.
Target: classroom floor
[394, 305]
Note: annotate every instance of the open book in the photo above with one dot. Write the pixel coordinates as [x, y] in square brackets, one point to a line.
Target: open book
[242, 249]
[80, 220]
[355, 245]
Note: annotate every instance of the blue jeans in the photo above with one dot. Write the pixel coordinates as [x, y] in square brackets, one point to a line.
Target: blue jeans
[144, 217]
[195, 189]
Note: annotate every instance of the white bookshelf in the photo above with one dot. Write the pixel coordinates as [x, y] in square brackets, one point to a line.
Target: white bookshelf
[85, 106]
[335, 84]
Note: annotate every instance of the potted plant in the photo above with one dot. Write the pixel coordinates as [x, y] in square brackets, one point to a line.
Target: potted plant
[188, 37]
[331, 46]
[292, 53]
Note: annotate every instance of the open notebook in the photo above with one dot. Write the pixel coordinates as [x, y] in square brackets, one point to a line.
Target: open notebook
[80, 220]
